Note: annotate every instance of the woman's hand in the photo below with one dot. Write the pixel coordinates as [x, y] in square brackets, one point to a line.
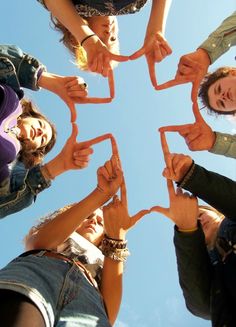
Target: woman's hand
[110, 177]
[155, 48]
[71, 89]
[99, 57]
[117, 220]
[73, 155]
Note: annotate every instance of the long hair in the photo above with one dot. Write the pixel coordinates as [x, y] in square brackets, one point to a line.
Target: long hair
[76, 50]
[28, 154]
[208, 80]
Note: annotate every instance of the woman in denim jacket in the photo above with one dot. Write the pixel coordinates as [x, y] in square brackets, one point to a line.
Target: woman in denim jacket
[19, 188]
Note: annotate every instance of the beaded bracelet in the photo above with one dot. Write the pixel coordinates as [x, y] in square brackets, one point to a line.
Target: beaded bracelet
[114, 249]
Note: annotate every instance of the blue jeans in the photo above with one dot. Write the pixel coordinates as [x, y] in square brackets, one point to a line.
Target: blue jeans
[59, 289]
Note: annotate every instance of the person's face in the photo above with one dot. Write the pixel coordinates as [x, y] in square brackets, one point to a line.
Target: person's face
[222, 93]
[92, 228]
[210, 222]
[36, 131]
[106, 28]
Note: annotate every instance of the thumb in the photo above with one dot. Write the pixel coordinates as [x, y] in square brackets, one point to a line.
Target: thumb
[74, 133]
[137, 54]
[163, 211]
[139, 215]
[73, 114]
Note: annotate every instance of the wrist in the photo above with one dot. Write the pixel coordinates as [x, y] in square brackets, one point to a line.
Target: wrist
[205, 58]
[187, 229]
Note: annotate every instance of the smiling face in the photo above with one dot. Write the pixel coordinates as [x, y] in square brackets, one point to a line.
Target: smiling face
[210, 222]
[36, 131]
[222, 94]
[92, 228]
[106, 28]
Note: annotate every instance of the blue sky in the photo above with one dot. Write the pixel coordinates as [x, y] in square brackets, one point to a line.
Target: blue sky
[152, 296]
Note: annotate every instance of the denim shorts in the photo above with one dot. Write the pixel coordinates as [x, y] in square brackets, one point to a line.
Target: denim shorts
[58, 288]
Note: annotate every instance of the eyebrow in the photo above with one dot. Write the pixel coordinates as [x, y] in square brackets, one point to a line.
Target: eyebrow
[220, 104]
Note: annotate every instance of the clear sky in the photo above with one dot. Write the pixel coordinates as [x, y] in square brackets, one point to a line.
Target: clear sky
[152, 296]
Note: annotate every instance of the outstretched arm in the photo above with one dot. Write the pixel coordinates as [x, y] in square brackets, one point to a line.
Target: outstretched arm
[117, 222]
[56, 231]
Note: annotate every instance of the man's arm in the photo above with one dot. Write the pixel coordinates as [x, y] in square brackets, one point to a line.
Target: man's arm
[194, 271]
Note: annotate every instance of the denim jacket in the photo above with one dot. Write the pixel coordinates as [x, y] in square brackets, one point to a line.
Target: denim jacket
[21, 190]
[18, 69]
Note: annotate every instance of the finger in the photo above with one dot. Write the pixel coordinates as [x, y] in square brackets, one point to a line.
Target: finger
[74, 133]
[138, 216]
[197, 114]
[196, 85]
[175, 128]
[119, 58]
[123, 194]
[100, 63]
[157, 54]
[185, 60]
[77, 94]
[164, 211]
[84, 151]
[151, 69]
[171, 189]
[137, 54]
[81, 164]
[76, 81]
[170, 83]
[165, 45]
[93, 100]
[73, 113]
[111, 84]
[106, 67]
[165, 147]
[102, 171]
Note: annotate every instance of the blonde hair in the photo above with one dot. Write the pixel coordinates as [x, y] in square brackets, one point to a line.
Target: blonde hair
[76, 50]
[209, 208]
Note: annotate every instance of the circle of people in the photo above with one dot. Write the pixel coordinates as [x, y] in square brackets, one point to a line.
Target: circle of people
[84, 244]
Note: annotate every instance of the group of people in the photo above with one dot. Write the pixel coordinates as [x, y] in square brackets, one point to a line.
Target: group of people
[71, 272]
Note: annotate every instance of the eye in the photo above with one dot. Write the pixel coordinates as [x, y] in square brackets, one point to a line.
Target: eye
[40, 123]
[43, 141]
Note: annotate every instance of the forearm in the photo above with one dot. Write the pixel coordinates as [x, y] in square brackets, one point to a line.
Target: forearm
[221, 39]
[57, 230]
[111, 287]
[66, 13]
[27, 68]
[194, 271]
[225, 144]
[215, 189]
[158, 16]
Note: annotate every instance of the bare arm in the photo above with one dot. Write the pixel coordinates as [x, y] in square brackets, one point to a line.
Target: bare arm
[56, 231]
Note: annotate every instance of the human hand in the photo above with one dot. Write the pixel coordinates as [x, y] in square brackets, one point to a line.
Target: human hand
[192, 68]
[177, 165]
[99, 57]
[198, 136]
[110, 177]
[155, 48]
[183, 210]
[117, 220]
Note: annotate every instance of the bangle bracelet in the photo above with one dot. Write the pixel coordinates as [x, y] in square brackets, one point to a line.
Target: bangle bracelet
[187, 230]
[86, 38]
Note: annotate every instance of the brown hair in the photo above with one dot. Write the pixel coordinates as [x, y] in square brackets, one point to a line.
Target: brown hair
[206, 207]
[74, 47]
[29, 155]
[208, 80]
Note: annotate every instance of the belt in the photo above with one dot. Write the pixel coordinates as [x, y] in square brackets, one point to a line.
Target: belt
[48, 253]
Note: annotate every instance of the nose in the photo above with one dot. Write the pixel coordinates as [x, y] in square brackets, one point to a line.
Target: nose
[39, 131]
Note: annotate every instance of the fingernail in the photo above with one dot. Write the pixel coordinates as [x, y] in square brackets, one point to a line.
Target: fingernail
[83, 86]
